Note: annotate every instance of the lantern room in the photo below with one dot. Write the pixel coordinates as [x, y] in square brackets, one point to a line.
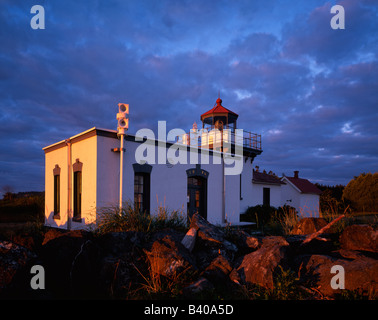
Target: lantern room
[219, 118]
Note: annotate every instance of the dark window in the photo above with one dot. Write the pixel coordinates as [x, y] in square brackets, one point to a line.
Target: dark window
[197, 196]
[266, 196]
[56, 196]
[142, 192]
[77, 196]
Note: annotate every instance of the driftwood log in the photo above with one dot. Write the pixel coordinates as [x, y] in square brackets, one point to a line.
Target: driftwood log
[322, 230]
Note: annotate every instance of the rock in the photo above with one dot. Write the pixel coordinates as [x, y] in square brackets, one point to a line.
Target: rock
[361, 273]
[244, 242]
[24, 240]
[325, 246]
[260, 267]
[120, 262]
[197, 287]
[120, 243]
[210, 233]
[218, 270]
[168, 257]
[190, 239]
[59, 255]
[252, 242]
[51, 234]
[13, 259]
[309, 225]
[210, 242]
[359, 237]
[54, 233]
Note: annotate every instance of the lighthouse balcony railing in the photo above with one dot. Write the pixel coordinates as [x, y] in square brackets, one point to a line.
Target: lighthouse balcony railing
[210, 139]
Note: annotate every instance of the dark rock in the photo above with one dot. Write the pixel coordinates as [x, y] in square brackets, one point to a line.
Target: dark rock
[25, 240]
[218, 271]
[244, 242]
[324, 246]
[190, 239]
[120, 263]
[210, 242]
[361, 273]
[201, 285]
[168, 257]
[359, 237]
[13, 259]
[260, 267]
[52, 233]
[59, 255]
[120, 243]
[309, 225]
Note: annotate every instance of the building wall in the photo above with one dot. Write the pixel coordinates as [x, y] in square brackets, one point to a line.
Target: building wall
[246, 186]
[100, 182]
[84, 150]
[252, 193]
[168, 184]
[108, 172]
[290, 196]
[56, 157]
[307, 205]
[257, 194]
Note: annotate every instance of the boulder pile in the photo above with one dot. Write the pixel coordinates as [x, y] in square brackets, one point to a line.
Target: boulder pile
[208, 258]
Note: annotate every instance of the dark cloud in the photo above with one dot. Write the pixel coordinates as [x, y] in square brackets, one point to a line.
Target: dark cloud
[309, 90]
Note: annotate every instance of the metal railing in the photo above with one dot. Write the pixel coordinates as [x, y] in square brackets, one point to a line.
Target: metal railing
[214, 138]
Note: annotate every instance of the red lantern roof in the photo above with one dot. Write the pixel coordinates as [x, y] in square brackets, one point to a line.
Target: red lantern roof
[218, 110]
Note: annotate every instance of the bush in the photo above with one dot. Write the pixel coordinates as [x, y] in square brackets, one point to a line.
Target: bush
[362, 192]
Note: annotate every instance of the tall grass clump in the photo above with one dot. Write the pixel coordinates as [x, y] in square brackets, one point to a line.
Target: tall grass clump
[271, 220]
[130, 218]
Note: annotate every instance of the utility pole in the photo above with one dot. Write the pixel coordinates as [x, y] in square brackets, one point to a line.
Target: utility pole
[123, 126]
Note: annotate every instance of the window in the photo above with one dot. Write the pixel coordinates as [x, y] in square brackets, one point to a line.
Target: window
[142, 176]
[56, 173]
[77, 196]
[142, 192]
[77, 190]
[266, 197]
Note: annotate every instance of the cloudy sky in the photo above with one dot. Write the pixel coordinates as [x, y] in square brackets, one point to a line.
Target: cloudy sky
[309, 90]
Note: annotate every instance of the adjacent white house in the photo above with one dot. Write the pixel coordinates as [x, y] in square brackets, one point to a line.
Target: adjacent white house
[300, 194]
[271, 190]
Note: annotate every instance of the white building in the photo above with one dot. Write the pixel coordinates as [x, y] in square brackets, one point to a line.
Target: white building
[300, 194]
[209, 171]
[82, 173]
[265, 189]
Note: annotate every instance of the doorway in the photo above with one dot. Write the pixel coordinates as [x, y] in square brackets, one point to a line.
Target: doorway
[197, 196]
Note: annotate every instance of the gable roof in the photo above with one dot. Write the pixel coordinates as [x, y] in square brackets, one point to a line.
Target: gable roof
[303, 185]
[262, 177]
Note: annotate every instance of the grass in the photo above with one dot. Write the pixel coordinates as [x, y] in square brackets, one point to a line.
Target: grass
[131, 219]
[270, 220]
